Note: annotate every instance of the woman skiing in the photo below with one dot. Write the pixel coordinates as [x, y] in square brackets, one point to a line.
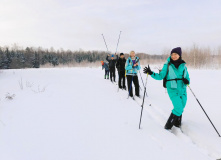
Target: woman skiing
[105, 66]
[132, 66]
[176, 78]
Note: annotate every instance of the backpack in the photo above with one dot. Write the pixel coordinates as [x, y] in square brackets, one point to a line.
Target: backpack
[108, 65]
[165, 78]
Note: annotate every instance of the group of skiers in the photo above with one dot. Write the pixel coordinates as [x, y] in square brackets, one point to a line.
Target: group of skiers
[174, 75]
[126, 68]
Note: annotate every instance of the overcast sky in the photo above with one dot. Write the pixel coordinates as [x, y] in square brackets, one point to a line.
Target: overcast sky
[147, 25]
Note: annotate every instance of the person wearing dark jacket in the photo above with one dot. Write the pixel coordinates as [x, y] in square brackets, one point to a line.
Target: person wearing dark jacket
[121, 70]
[112, 62]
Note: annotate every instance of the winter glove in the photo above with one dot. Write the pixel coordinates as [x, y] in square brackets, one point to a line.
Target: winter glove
[185, 81]
[134, 66]
[147, 70]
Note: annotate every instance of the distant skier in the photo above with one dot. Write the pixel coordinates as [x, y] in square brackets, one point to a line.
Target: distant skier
[112, 62]
[121, 70]
[176, 82]
[105, 66]
[132, 66]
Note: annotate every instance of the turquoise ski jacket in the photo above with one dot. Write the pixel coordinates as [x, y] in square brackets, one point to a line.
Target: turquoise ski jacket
[130, 70]
[176, 88]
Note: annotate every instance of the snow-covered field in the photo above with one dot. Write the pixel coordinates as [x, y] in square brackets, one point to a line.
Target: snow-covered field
[74, 114]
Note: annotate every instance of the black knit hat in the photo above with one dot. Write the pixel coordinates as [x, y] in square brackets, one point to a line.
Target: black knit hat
[121, 54]
[177, 50]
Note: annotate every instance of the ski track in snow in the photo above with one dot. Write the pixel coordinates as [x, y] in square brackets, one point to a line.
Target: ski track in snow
[98, 127]
[161, 117]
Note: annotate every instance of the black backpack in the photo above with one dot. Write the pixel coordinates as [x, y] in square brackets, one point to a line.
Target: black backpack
[165, 78]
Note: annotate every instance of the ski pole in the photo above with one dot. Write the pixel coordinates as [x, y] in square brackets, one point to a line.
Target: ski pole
[118, 41]
[130, 87]
[117, 48]
[204, 110]
[105, 42]
[143, 102]
[142, 82]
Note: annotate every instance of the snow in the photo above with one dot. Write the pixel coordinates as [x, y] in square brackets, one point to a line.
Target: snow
[74, 114]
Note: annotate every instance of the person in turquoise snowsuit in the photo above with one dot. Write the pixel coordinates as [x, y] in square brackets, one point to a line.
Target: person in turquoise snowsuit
[132, 67]
[177, 80]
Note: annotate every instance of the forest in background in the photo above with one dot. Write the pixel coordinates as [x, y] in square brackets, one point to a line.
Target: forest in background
[16, 57]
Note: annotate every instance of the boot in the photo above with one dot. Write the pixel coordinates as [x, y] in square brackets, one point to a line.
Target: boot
[178, 121]
[107, 76]
[104, 76]
[170, 122]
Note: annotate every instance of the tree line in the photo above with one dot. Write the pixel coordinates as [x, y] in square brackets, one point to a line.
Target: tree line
[16, 57]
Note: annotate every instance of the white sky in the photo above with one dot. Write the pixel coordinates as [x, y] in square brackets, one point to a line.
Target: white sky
[147, 25]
